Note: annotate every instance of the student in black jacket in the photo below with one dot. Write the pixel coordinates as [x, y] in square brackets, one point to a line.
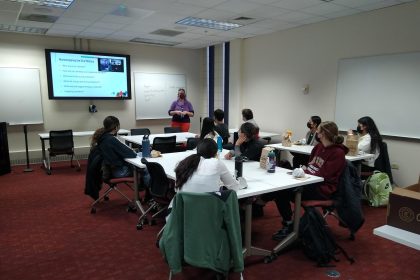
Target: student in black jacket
[113, 150]
[247, 144]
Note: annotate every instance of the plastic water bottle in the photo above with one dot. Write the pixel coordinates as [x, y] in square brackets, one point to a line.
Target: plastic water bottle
[145, 143]
[271, 162]
[219, 144]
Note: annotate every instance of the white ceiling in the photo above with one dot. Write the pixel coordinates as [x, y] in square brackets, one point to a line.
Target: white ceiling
[118, 20]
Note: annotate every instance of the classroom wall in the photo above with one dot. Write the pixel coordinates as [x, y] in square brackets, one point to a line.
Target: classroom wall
[275, 67]
[28, 51]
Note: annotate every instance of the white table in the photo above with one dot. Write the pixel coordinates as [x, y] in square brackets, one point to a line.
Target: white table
[261, 134]
[259, 182]
[46, 136]
[307, 149]
[181, 137]
[398, 235]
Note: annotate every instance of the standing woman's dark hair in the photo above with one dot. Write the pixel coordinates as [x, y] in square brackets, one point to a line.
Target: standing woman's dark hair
[109, 124]
[208, 126]
[370, 127]
[206, 148]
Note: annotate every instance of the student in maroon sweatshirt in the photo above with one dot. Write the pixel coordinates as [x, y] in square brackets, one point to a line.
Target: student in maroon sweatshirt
[327, 160]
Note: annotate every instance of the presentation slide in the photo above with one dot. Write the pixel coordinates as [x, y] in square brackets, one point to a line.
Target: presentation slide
[88, 75]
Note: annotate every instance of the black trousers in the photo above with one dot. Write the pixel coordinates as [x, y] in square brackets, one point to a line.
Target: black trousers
[284, 198]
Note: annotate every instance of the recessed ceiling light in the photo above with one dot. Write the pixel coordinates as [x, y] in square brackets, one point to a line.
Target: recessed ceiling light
[50, 3]
[22, 29]
[153, 42]
[208, 23]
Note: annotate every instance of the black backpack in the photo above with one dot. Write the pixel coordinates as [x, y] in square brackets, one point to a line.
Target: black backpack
[317, 240]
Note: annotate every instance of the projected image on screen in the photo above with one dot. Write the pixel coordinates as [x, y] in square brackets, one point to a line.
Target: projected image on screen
[87, 75]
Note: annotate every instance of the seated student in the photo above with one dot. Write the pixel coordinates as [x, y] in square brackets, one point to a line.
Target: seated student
[327, 160]
[310, 139]
[247, 144]
[203, 172]
[248, 116]
[369, 141]
[220, 127]
[207, 130]
[113, 150]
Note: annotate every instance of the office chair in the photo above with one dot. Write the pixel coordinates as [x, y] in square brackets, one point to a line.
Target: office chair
[213, 243]
[113, 184]
[170, 129]
[164, 144]
[61, 143]
[192, 143]
[345, 205]
[161, 191]
[138, 131]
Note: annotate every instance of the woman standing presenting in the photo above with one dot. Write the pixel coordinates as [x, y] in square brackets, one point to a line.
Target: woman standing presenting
[181, 110]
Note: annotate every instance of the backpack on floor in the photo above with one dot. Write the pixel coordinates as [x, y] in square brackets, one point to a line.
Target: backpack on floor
[317, 240]
[377, 188]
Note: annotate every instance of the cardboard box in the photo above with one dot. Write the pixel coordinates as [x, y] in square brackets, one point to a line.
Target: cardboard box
[404, 208]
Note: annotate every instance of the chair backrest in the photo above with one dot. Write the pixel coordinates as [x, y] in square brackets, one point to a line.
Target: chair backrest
[140, 131]
[170, 129]
[382, 163]
[159, 182]
[61, 140]
[235, 137]
[165, 144]
[185, 230]
[192, 143]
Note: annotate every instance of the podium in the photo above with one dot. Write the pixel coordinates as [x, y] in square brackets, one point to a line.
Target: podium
[4, 150]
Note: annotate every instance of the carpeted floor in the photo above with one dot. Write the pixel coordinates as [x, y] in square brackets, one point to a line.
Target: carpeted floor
[47, 232]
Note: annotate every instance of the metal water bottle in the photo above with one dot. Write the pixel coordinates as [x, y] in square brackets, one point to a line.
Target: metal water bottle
[219, 144]
[145, 143]
[271, 162]
[238, 166]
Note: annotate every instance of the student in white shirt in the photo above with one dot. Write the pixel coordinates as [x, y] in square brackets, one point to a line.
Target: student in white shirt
[369, 141]
[203, 172]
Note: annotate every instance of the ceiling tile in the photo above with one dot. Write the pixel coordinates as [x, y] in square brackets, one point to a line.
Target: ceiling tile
[61, 32]
[356, 3]
[382, 4]
[343, 13]
[237, 6]
[10, 6]
[266, 12]
[73, 27]
[75, 21]
[8, 17]
[216, 14]
[293, 16]
[323, 9]
[296, 5]
[203, 3]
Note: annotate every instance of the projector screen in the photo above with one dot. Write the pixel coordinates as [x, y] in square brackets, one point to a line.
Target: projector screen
[87, 75]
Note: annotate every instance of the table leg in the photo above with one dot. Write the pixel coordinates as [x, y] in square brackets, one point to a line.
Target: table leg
[249, 250]
[293, 236]
[136, 191]
[44, 157]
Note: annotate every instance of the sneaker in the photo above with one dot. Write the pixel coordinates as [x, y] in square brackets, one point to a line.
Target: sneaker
[282, 233]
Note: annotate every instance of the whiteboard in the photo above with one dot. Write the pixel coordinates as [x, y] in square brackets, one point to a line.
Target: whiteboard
[20, 96]
[155, 93]
[384, 87]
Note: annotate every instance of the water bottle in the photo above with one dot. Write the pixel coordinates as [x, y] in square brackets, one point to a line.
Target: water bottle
[271, 162]
[145, 143]
[219, 144]
[238, 166]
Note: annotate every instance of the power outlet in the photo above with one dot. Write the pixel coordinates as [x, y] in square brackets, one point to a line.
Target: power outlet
[395, 166]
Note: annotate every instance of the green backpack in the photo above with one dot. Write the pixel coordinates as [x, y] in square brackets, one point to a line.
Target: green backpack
[377, 188]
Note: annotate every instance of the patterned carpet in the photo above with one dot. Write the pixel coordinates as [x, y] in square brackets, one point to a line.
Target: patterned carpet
[47, 232]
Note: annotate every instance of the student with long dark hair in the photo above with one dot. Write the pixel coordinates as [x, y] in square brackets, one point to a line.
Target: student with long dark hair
[203, 172]
[247, 144]
[369, 141]
[207, 130]
[113, 150]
